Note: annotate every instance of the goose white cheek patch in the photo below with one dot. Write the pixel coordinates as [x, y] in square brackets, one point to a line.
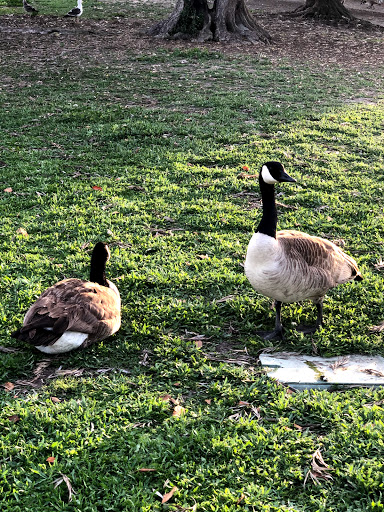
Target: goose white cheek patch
[267, 176]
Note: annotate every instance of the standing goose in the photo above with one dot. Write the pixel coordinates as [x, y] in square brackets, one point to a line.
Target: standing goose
[29, 8]
[74, 313]
[76, 12]
[291, 266]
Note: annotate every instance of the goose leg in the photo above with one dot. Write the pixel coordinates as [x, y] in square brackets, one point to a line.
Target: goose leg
[319, 319]
[278, 332]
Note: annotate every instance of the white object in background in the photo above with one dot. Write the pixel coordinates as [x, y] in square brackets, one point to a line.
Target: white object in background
[305, 372]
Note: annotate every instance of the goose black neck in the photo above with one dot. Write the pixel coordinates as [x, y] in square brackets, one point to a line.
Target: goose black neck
[97, 273]
[268, 222]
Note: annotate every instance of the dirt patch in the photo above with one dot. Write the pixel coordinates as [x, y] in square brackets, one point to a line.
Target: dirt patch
[51, 42]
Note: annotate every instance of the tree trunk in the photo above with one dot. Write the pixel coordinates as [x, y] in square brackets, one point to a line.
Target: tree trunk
[332, 10]
[226, 20]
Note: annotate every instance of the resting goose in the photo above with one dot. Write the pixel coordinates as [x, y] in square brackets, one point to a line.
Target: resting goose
[291, 266]
[74, 313]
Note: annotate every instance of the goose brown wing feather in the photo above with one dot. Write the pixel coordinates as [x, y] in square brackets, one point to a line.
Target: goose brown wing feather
[335, 265]
[72, 305]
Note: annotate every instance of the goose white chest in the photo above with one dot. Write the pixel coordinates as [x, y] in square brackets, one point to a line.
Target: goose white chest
[270, 274]
[262, 264]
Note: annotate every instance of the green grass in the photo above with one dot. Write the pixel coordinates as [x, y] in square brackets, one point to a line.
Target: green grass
[93, 9]
[165, 134]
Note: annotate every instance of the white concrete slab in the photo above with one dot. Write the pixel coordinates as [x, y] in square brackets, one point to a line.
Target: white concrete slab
[305, 372]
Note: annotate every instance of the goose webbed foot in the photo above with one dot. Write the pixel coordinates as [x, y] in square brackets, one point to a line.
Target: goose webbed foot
[278, 332]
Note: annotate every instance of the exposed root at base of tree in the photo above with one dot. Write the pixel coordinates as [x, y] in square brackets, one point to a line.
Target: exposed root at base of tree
[238, 33]
[226, 36]
[228, 20]
[351, 21]
[335, 11]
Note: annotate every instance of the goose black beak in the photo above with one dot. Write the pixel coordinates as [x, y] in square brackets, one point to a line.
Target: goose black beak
[286, 178]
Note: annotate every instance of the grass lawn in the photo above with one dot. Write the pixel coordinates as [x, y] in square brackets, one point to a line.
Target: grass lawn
[164, 135]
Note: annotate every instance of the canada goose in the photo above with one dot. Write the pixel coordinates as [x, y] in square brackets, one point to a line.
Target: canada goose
[290, 266]
[74, 313]
[29, 8]
[76, 12]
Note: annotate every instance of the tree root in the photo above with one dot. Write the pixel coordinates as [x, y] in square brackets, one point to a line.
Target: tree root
[227, 20]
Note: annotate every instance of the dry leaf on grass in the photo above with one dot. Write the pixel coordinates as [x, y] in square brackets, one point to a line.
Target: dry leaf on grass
[96, 187]
[42, 365]
[195, 336]
[50, 459]
[8, 386]
[27, 383]
[379, 265]
[165, 398]
[167, 496]
[146, 470]
[239, 361]
[14, 418]
[168, 398]
[55, 400]
[178, 411]
[319, 469]
[288, 206]
[75, 372]
[8, 350]
[240, 499]
[377, 328]
[371, 404]
[224, 299]
[198, 343]
[208, 401]
[202, 256]
[247, 410]
[22, 232]
[65, 479]
[136, 187]
[8, 189]
[161, 232]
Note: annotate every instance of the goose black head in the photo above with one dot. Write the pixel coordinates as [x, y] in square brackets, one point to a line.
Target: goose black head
[99, 258]
[274, 172]
[101, 252]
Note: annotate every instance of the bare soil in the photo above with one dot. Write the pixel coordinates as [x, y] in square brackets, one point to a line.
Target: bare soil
[48, 41]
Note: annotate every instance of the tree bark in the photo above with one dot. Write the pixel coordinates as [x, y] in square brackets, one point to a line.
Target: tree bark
[226, 20]
[332, 10]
